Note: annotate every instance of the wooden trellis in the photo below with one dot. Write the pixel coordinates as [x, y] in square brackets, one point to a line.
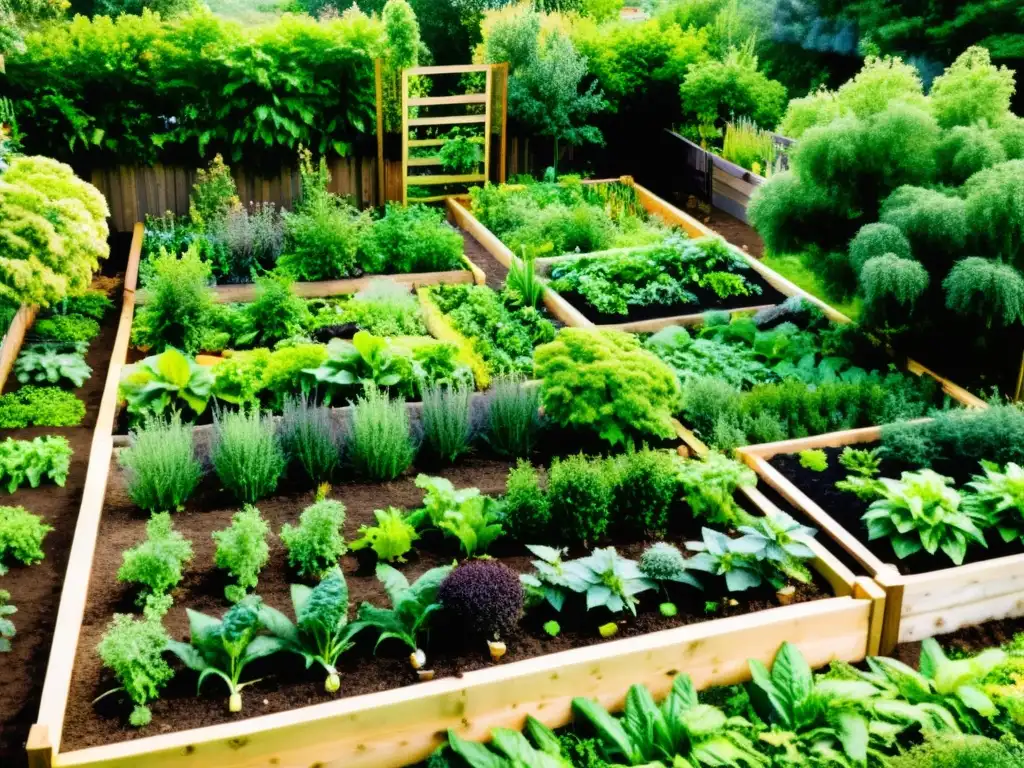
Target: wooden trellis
[408, 123]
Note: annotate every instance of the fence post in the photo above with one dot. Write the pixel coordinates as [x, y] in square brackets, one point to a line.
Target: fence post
[378, 73]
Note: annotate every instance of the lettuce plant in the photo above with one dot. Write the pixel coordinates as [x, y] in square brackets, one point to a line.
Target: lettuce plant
[317, 542]
[391, 538]
[21, 537]
[412, 605]
[921, 511]
[163, 381]
[367, 359]
[997, 497]
[681, 732]
[608, 580]
[464, 514]
[321, 632]
[224, 647]
[47, 457]
[7, 630]
[242, 550]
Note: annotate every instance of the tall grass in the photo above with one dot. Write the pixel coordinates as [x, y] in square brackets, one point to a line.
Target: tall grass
[380, 445]
[513, 417]
[447, 421]
[310, 437]
[247, 454]
[161, 464]
[750, 147]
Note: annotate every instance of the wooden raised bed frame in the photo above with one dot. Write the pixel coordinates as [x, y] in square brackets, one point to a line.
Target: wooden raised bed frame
[13, 339]
[401, 726]
[916, 606]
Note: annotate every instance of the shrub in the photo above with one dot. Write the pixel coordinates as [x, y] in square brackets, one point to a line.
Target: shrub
[53, 227]
[955, 751]
[157, 562]
[214, 194]
[483, 598]
[31, 406]
[935, 224]
[412, 238]
[892, 287]
[526, 505]
[580, 494]
[717, 90]
[132, 649]
[513, 419]
[606, 381]
[242, 551]
[246, 454]
[21, 537]
[646, 486]
[785, 209]
[994, 434]
[820, 107]
[995, 208]
[986, 289]
[161, 464]
[310, 436]
[965, 150]
[66, 329]
[972, 89]
[877, 239]
[180, 304]
[447, 424]
[881, 81]
[316, 544]
[380, 445]
[1010, 133]
[276, 314]
[94, 304]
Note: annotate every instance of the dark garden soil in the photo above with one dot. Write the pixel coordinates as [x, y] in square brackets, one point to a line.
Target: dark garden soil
[286, 684]
[707, 301]
[966, 641]
[36, 589]
[847, 509]
[496, 272]
[728, 226]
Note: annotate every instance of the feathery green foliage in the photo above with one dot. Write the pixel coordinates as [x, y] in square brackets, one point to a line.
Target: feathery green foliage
[317, 542]
[242, 551]
[247, 454]
[161, 464]
[132, 649]
[380, 446]
[513, 419]
[21, 537]
[310, 436]
[447, 421]
[157, 563]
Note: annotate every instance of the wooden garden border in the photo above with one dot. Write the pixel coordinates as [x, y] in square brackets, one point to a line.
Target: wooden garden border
[920, 605]
[403, 725]
[13, 339]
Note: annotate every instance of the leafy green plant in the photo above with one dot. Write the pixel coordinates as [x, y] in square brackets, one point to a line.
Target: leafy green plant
[224, 647]
[780, 540]
[608, 580]
[997, 497]
[247, 454]
[242, 551]
[276, 314]
[168, 380]
[161, 464]
[735, 560]
[156, 563]
[133, 650]
[180, 305]
[412, 606]
[465, 514]
[366, 361]
[447, 421]
[646, 487]
[33, 460]
[550, 583]
[32, 406]
[861, 462]
[21, 537]
[512, 748]
[46, 364]
[580, 495]
[606, 382]
[709, 486]
[483, 597]
[321, 632]
[921, 511]
[310, 436]
[66, 329]
[815, 460]
[682, 731]
[391, 538]
[459, 153]
[7, 628]
[316, 543]
[522, 281]
[94, 304]
[380, 445]
[526, 506]
[413, 238]
[513, 420]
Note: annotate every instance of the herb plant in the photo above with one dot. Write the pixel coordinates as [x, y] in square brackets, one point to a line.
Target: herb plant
[412, 606]
[526, 506]
[21, 537]
[133, 650]
[32, 406]
[720, 555]
[447, 423]
[66, 329]
[165, 381]
[513, 419]
[662, 562]
[161, 464]
[321, 632]
[465, 514]
[310, 437]
[580, 494]
[317, 542]
[391, 538]
[780, 540]
[921, 511]
[224, 647]
[550, 583]
[709, 486]
[157, 563]
[242, 551]
[380, 445]
[247, 454]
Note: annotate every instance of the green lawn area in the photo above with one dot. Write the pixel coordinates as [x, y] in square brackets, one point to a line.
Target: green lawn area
[248, 13]
[791, 266]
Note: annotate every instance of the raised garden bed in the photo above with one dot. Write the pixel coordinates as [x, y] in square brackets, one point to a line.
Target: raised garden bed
[926, 595]
[12, 340]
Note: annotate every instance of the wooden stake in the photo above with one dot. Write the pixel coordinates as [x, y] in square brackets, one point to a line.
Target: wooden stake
[378, 74]
[502, 163]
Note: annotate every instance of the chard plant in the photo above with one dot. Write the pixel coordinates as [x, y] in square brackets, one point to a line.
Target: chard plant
[682, 732]
[921, 511]
[608, 580]
[225, 647]
[321, 632]
[997, 497]
[412, 608]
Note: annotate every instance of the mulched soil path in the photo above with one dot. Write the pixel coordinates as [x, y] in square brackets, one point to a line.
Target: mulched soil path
[36, 590]
[728, 226]
[475, 252]
[287, 684]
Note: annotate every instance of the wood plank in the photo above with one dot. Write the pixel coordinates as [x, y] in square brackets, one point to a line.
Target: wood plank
[441, 142]
[953, 390]
[405, 136]
[455, 69]
[13, 339]
[467, 221]
[738, 172]
[656, 324]
[744, 187]
[865, 588]
[922, 625]
[720, 190]
[892, 582]
[398, 727]
[962, 585]
[827, 440]
[448, 120]
[416, 162]
[466, 98]
[670, 214]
